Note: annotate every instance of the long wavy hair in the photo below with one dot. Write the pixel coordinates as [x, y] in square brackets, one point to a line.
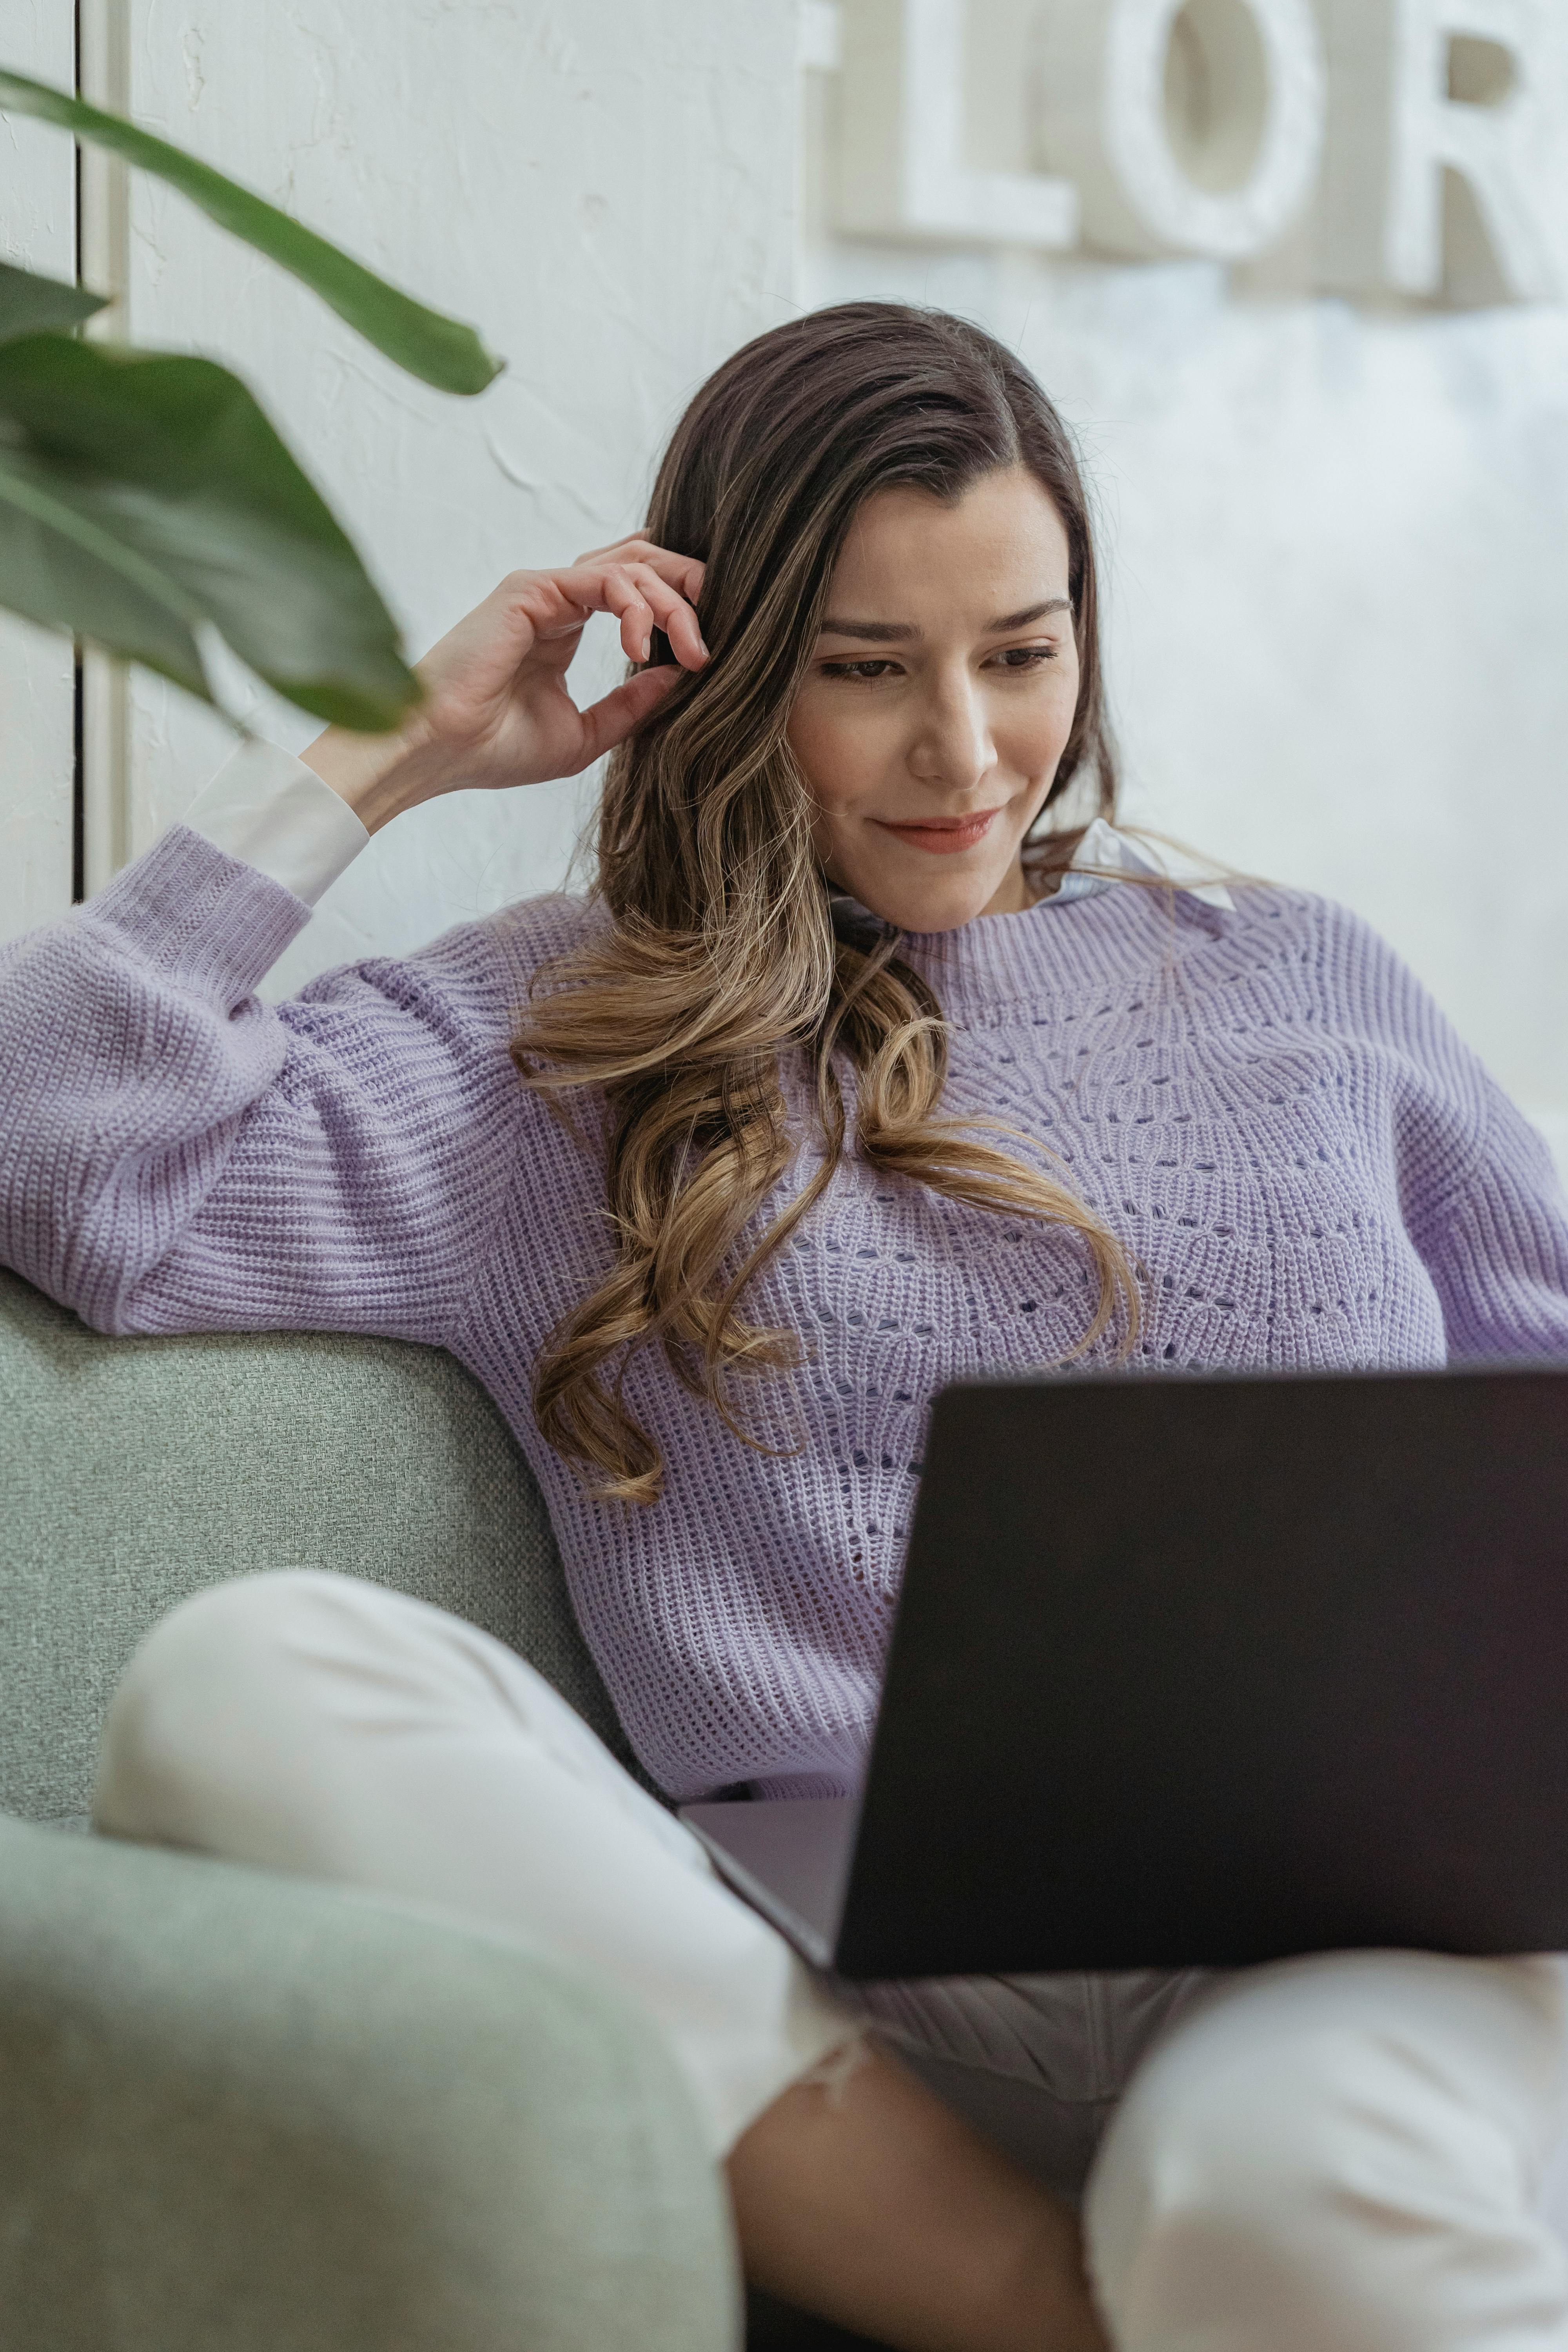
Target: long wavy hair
[720, 970]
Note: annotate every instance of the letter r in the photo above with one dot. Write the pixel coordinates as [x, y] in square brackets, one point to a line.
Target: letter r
[1396, 131]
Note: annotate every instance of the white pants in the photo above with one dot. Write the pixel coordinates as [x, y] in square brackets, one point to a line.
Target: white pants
[1340, 2154]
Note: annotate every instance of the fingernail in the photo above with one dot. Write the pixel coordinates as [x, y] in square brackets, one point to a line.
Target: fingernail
[646, 647]
[703, 650]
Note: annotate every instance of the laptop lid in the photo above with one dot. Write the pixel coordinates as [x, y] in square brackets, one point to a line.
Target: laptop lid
[1204, 1671]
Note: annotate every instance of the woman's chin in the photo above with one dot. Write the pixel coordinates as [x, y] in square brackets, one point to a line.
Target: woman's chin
[941, 905]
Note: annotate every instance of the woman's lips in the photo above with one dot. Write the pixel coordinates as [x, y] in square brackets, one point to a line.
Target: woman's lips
[943, 837]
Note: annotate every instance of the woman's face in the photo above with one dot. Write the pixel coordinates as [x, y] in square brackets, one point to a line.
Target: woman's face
[939, 698]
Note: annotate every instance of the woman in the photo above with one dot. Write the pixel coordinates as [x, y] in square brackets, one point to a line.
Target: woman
[848, 1080]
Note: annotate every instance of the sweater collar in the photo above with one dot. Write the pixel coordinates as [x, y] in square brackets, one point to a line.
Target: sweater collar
[1104, 857]
[1000, 957]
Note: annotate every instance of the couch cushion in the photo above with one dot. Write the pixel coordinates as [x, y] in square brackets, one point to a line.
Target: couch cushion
[137, 1471]
[245, 2112]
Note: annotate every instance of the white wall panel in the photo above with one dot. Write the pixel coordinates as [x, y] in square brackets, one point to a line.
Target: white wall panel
[37, 228]
[604, 185]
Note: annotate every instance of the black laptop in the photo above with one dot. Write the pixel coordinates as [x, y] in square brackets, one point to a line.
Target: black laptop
[1205, 1672]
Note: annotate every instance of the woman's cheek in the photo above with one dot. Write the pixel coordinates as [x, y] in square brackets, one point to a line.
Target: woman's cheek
[1036, 739]
[840, 763]
[813, 738]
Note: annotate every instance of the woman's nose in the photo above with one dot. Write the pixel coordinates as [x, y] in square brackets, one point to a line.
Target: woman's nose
[952, 747]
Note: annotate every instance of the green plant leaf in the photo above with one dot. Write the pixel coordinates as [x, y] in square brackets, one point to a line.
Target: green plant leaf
[62, 564]
[144, 493]
[439, 350]
[28, 303]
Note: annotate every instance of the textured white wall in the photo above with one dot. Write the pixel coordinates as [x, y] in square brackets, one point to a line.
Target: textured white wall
[1337, 542]
[604, 185]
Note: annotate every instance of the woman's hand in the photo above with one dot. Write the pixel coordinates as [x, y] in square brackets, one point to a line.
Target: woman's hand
[497, 712]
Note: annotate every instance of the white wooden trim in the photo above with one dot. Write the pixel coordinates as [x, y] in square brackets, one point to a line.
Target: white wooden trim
[37, 228]
[104, 71]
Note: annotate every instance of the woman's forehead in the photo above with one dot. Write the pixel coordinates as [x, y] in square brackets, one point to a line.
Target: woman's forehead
[1002, 545]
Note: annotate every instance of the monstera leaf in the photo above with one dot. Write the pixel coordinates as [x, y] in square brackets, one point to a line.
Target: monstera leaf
[29, 304]
[143, 494]
[439, 350]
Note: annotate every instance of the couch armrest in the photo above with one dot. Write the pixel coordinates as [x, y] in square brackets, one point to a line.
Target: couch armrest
[247, 2113]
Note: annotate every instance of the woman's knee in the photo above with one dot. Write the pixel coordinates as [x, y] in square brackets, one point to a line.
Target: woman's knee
[271, 1719]
[204, 1705]
[1337, 2153]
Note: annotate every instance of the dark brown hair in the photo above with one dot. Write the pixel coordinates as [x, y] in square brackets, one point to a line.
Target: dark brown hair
[721, 954]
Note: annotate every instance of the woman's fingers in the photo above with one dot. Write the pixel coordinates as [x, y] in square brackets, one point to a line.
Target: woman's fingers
[639, 597]
[675, 617]
[682, 573]
[632, 610]
[642, 600]
[607, 722]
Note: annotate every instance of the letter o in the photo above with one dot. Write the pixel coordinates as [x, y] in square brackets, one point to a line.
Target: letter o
[1105, 125]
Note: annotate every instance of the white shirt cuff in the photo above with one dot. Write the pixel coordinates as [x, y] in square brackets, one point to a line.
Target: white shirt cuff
[269, 810]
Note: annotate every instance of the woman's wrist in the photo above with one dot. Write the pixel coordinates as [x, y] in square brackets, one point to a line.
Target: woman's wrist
[377, 776]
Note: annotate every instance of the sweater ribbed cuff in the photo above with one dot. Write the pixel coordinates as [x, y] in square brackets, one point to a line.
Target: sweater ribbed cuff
[191, 911]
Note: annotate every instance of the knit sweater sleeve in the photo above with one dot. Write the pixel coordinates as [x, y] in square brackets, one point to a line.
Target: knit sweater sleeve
[174, 1155]
[1480, 1196]
[1499, 1255]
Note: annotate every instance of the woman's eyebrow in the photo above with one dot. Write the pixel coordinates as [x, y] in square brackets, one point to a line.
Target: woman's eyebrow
[1032, 612]
[875, 633]
[899, 632]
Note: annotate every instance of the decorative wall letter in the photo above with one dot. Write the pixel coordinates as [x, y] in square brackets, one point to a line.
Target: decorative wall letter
[902, 172]
[1106, 123]
[1397, 130]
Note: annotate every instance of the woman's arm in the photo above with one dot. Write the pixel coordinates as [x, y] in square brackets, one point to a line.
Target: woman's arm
[174, 1154]
[1499, 1256]
[1480, 1198]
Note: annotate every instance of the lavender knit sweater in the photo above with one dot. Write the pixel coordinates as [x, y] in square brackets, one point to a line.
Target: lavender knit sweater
[1264, 1104]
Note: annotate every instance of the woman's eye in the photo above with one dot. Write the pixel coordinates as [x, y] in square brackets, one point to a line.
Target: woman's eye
[1027, 657]
[863, 671]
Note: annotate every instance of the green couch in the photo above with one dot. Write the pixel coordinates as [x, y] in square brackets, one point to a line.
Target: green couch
[245, 2112]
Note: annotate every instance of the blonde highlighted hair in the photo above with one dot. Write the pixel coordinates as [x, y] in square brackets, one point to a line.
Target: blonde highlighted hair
[721, 973]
